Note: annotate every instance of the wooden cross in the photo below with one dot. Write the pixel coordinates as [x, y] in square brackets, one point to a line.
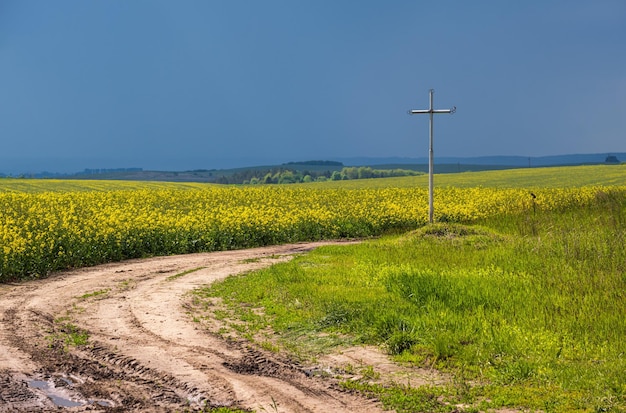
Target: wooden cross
[431, 111]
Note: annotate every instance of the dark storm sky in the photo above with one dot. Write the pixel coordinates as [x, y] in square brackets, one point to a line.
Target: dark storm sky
[210, 84]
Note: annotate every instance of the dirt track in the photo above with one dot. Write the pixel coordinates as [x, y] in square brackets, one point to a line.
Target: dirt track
[144, 352]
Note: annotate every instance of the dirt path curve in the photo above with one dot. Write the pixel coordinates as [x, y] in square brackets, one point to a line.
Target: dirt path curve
[145, 353]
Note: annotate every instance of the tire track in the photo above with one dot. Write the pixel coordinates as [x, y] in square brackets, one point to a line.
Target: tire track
[144, 352]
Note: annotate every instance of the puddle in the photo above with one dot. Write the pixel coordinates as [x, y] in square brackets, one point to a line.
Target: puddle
[53, 393]
[59, 396]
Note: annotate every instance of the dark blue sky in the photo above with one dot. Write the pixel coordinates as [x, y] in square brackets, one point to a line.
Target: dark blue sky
[210, 84]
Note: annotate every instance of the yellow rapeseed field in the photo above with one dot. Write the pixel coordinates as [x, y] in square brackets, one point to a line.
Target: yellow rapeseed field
[48, 231]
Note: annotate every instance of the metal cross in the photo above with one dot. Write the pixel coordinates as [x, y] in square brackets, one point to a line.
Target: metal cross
[431, 111]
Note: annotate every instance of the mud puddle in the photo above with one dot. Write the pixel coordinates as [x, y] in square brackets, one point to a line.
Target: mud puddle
[61, 392]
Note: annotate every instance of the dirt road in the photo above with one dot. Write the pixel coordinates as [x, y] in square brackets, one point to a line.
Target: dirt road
[144, 353]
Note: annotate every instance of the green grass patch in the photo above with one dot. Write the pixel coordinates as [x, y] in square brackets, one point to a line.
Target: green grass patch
[529, 309]
[546, 177]
[258, 259]
[209, 409]
[182, 274]
[67, 334]
[126, 284]
[250, 260]
[94, 294]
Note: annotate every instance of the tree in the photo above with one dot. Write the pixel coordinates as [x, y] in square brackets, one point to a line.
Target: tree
[287, 177]
[267, 179]
[350, 173]
[365, 172]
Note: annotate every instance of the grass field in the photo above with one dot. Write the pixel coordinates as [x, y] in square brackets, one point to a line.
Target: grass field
[553, 177]
[524, 311]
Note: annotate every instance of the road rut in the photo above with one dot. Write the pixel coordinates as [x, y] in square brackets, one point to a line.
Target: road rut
[144, 352]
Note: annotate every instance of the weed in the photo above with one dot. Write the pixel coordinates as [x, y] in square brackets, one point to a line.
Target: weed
[269, 346]
[175, 276]
[250, 260]
[401, 341]
[68, 334]
[93, 294]
[349, 369]
[274, 405]
[126, 285]
[368, 373]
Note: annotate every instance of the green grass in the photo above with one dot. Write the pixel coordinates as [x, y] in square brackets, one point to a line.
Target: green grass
[93, 294]
[209, 409]
[67, 334]
[524, 311]
[182, 274]
[548, 177]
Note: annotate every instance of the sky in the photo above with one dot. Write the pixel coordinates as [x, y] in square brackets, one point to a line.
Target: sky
[180, 85]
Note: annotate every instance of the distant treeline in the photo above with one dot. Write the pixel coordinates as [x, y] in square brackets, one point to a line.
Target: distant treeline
[108, 171]
[46, 174]
[289, 176]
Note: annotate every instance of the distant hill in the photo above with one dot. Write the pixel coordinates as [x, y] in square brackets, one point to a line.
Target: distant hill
[316, 163]
[327, 167]
[510, 161]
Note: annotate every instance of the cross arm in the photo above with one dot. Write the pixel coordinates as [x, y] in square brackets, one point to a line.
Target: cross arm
[418, 111]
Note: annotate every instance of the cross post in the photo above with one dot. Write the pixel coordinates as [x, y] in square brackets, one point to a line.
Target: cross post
[431, 111]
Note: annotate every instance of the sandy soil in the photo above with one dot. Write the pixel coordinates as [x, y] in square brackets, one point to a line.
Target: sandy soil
[144, 352]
